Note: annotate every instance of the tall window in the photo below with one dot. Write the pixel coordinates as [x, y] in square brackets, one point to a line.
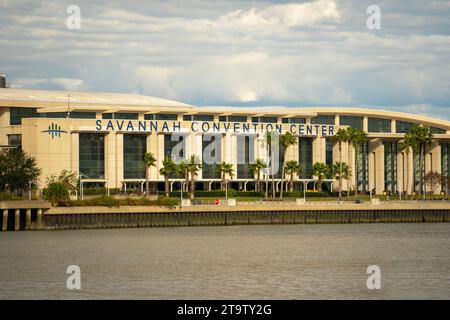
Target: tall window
[17, 114]
[328, 151]
[445, 165]
[352, 121]
[436, 130]
[168, 147]
[390, 166]
[210, 170]
[73, 115]
[363, 167]
[305, 157]
[134, 149]
[417, 175]
[281, 149]
[92, 155]
[245, 157]
[379, 125]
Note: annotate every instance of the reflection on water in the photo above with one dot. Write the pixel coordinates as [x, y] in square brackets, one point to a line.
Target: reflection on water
[240, 262]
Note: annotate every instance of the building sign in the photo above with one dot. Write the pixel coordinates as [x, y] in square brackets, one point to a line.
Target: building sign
[212, 127]
[54, 130]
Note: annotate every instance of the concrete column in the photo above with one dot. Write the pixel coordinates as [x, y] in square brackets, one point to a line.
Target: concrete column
[28, 223]
[17, 220]
[393, 126]
[39, 219]
[336, 120]
[5, 220]
[75, 149]
[160, 153]
[366, 124]
[110, 160]
[318, 145]
[376, 165]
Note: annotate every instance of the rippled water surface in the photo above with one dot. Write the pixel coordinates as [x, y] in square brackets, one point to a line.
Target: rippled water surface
[240, 262]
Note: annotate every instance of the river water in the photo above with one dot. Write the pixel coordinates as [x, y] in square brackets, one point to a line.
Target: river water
[233, 262]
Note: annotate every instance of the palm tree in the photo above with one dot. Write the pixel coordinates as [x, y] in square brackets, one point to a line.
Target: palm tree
[286, 140]
[183, 167]
[359, 138]
[168, 168]
[268, 138]
[225, 169]
[150, 161]
[256, 170]
[420, 138]
[341, 171]
[292, 167]
[339, 138]
[320, 170]
[195, 164]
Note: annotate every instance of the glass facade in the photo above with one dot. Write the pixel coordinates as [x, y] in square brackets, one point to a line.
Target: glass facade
[245, 157]
[435, 130]
[198, 117]
[390, 166]
[265, 119]
[445, 166]
[328, 151]
[379, 125]
[15, 140]
[362, 164]
[352, 121]
[161, 116]
[323, 119]
[293, 120]
[17, 114]
[403, 126]
[305, 156]
[92, 155]
[210, 170]
[233, 118]
[72, 115]
[120, 116]
[416, 175]
[168, 147]
[134, 149]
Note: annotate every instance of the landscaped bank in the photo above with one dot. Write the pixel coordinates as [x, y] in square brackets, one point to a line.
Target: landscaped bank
[136, 216]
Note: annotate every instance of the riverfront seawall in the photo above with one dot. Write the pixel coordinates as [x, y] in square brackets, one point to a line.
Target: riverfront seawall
[133, 217]
[27, 217]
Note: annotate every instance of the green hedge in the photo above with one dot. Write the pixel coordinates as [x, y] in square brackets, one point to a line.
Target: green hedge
[108, 201]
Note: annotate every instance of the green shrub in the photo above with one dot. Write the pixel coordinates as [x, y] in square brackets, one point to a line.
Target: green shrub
[56, 193]
[8, 196]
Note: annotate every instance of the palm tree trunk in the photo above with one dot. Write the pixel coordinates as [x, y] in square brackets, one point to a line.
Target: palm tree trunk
[292, 182]
[340, 173]
[166, 185]
[192, 185]
[258, 176]
[282, 174]
[147, 183]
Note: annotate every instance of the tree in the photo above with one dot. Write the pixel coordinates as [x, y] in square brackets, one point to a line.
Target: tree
[150, 161]
[286, 140]
[433, 178]
[320, 170]
[268, 137]
[183, 167]
[56, 193]
[17, 170]
[420, 138]
[339, 138]
[256, 170]
[66, 177]
[359, 138]
[194, 166]
[341, 171]
[292, 167]
[225, 169]
[168, 168]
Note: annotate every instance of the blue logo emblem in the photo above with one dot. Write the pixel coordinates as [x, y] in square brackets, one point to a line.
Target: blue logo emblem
[54, 130]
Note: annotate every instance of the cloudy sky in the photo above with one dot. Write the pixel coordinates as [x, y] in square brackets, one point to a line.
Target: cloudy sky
[237, 53]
